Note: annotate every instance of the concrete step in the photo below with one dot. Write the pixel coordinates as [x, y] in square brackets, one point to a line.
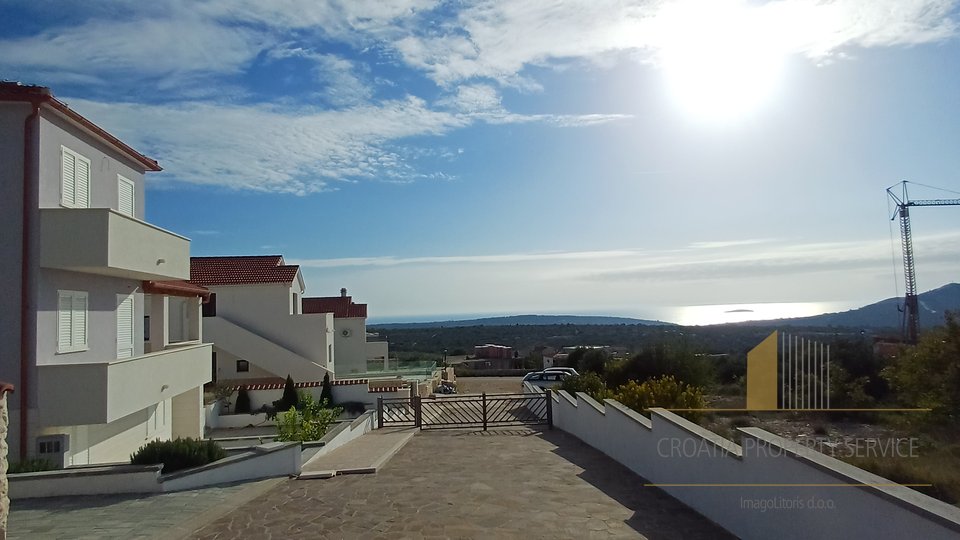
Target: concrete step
[364, 455]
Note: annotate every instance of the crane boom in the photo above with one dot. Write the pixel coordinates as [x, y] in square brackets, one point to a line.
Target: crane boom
[911, 308]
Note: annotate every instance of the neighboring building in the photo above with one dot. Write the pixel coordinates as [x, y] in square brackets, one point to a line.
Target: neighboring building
[356, 348]
[491, 351]
[83, 272]
[256, 321]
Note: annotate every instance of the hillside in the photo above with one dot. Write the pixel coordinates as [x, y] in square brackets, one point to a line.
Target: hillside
[883, 314]
[524, 320]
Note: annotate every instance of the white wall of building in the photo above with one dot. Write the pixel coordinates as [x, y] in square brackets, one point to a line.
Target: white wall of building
[350, 345]
[266, 310]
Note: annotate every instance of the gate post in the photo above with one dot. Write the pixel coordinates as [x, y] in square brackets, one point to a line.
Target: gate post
[379, 412]
[549, 396]
[417, 411]
[484, 398]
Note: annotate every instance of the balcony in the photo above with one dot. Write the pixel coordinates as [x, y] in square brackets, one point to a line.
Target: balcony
[101, 392]
[103, 241]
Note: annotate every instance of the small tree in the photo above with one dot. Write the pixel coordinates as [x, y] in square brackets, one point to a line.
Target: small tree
[310, 423]
[289, 398]
[243, 401]
[589, 383]
[326, 394]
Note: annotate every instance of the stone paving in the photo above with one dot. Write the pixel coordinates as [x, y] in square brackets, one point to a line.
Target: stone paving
[510, 483]
[167, 515]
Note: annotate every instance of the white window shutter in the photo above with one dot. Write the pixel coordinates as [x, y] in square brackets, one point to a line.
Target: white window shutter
[124, 326]
[125, 196]
[83, 184]
[68, 183]
[64, 316]
[79, 323]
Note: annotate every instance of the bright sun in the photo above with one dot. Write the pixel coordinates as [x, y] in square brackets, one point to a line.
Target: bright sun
[720, 61]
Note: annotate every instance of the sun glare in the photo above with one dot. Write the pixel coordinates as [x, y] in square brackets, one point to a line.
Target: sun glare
[719, 59]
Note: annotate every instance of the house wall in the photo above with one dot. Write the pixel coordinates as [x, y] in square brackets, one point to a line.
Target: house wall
[116, 441]
[227, 368]
[266, 311]
[12, 116]
[105, 164]
[351, 350]
[187, 414]
[101, 316]
[378, 351]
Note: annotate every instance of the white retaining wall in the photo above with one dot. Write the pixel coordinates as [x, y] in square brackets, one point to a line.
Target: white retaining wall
[792, 503]
[86, 481]
[265, 461]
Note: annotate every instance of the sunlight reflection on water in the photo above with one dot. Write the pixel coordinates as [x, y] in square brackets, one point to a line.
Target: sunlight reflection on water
[731, 313]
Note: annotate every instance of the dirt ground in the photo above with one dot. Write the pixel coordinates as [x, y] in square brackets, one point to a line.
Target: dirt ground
[490, 385]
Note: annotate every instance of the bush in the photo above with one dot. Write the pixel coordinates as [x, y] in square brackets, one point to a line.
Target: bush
[326, 393]
[289, 398]
[353, 407]
[243, 402]
[666, 392]
[178, 454]
[660, 360]
[309, 423]
[31, 465]
[589, 383]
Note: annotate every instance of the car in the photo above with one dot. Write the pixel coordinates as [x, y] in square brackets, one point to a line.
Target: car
[568, 370]
[545, 379]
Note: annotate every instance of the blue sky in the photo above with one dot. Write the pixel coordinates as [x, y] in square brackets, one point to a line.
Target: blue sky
[466, 158]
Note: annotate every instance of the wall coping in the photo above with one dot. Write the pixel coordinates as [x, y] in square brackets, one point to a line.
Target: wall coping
[256, 451]
[91, 470]
[629, 413]
[591, 402]
[729, 447]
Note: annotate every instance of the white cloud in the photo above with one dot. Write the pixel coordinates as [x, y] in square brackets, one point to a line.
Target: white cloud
[498, 39]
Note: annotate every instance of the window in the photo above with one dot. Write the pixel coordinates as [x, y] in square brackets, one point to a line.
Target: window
[75, 179]
[126, 193]
[125, 316]
[243, 366]
[71, 321]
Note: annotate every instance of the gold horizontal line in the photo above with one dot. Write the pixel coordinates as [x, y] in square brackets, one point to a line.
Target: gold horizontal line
[708, 409]
[892, 484]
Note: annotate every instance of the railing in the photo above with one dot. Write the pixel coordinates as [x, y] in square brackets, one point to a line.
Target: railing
[481, 411]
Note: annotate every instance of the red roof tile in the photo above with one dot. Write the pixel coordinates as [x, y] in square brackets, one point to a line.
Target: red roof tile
[311, 384]
[243, 270]
[341, 306]
[175, 288]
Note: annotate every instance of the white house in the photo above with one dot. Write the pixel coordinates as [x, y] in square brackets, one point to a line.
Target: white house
[87, 282]
[255, 319]
[356, 348]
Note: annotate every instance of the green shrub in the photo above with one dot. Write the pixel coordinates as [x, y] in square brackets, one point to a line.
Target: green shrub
[243, 402]
[326, 393]
[289, 397]
[666, 392]
[309, 423]
[590, 383]
[178, 454]
[31, 465]
[353, 407]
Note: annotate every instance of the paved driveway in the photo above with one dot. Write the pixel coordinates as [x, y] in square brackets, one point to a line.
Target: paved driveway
[517, 483]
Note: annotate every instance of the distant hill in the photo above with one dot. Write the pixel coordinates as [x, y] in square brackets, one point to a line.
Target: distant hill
[525, 320]
[883, 314]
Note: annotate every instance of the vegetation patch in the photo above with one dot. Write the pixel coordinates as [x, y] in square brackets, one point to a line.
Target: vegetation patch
[178, 454]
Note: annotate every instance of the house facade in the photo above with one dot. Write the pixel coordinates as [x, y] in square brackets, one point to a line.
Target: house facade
[358, 351]
[88, 282]
[256, 321]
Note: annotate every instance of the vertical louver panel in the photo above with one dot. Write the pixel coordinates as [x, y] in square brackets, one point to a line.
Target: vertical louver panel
[64, 318]
[124, 326]
[71, 321]
[75, 179]
[83, 183]
[125, 194]
[68, 185]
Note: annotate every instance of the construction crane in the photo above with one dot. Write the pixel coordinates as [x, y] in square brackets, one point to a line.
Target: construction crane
[911, 315]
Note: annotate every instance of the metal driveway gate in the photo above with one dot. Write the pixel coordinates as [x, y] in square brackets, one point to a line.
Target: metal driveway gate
[481, 411]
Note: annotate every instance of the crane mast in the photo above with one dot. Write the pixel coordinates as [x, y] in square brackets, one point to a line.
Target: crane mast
[911, 309]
